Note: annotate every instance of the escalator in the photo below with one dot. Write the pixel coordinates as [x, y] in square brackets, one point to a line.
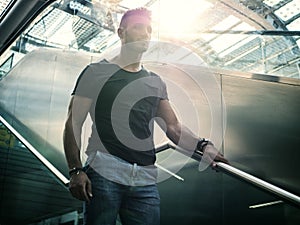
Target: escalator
[259, 138]
[29, 190]
[33, 191]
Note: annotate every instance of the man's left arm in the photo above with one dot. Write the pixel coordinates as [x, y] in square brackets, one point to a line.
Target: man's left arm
[182, 136]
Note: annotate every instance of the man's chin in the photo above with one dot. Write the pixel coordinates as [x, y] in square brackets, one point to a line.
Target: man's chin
[140, 47]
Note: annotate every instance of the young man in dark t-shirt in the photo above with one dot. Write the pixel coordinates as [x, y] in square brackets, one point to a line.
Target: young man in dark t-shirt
[123, 99]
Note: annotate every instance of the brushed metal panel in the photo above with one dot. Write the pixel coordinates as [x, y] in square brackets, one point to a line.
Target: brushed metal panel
[36, 94]
[263, 127]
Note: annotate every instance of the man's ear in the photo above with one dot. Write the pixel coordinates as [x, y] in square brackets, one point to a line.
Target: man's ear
[120, 32]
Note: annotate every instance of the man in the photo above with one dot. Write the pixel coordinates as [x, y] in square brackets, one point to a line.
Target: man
[122, 99]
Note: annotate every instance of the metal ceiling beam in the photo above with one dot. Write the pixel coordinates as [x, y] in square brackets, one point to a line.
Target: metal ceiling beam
[21, 14]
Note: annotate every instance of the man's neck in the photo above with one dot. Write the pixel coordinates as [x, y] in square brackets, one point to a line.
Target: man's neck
[128, 61]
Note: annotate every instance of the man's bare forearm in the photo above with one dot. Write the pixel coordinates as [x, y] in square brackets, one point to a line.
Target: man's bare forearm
[77, 113]
[72, 144]
[183, 137]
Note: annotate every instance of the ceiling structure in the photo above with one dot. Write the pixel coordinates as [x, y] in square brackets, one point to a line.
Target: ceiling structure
[254, 36]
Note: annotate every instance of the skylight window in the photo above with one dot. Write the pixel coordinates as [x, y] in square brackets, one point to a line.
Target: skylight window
[230, 39]
[289, 10]
[272, 2]
[226, 23]
[295, 25]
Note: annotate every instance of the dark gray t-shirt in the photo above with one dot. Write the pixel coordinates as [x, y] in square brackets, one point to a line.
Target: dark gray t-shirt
[123, 110]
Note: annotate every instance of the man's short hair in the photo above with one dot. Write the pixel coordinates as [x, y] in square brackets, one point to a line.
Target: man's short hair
[142, 12]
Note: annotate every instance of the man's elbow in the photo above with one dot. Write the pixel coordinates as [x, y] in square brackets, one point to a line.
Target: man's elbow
[174, 132]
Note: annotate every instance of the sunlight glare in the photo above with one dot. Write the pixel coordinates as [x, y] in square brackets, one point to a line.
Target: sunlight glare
[179, 17]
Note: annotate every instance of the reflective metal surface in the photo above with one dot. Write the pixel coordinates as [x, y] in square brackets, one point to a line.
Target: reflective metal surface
[240, 175]
[290, 197]
[262, 117]
[35, 152]
[30, 192]
[35, 95]
[260, 133]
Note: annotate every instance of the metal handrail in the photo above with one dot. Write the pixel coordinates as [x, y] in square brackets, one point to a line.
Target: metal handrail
[35, 152]
[283, 194]
[228, 169]
[237, 173]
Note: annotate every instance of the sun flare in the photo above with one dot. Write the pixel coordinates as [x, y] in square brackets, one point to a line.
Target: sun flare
[178, 17]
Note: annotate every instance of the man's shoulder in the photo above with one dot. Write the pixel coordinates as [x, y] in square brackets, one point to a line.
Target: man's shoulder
[156, 76]
[151, 73]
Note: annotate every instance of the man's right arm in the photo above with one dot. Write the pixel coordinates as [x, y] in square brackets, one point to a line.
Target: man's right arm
[80, 185]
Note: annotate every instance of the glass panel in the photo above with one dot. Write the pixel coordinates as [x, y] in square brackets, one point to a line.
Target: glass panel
[272, 2]
[6, 66]
[289, 10]
[294, 26]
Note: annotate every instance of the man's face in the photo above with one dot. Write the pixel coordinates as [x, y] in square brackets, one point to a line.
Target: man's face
[136, 33]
